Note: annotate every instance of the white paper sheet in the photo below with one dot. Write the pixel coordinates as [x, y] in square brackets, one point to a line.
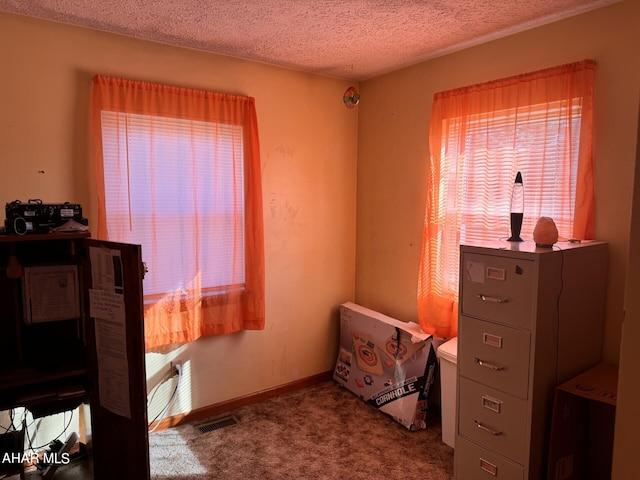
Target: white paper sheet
[474, 270]
[113, 377]
[106, 305]
[51, 293]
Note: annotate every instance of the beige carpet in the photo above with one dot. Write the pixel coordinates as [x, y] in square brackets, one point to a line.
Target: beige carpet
[320, 432]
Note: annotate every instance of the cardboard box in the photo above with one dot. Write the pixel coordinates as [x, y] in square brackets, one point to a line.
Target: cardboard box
[388, 363]
[582, 426]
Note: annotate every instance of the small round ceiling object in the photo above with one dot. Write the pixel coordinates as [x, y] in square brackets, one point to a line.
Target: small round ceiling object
[351, 97]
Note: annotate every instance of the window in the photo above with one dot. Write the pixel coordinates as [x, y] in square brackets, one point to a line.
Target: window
[178, 173]
[480, 137]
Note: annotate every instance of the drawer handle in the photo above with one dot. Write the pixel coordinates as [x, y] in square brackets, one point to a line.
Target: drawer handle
[487, 429]
[487, 298]
[492, 366]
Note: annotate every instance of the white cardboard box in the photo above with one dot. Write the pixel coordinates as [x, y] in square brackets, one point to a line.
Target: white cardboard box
[390, 364]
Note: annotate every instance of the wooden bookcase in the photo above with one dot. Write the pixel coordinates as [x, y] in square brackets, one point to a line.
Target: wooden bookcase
[50, 365]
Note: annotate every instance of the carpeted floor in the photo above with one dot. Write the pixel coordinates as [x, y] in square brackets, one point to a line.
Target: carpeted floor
[320, 432]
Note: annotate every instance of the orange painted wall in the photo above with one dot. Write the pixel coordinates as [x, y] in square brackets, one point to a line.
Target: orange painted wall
[393, 148]
[392, 161]
[308, 153]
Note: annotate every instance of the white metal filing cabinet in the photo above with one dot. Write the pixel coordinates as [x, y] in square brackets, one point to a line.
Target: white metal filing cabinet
[530, 318]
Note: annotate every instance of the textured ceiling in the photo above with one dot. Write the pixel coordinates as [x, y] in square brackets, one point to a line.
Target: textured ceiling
[352, 39]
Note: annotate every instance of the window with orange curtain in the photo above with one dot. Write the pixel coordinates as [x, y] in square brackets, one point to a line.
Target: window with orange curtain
[178, 172]
[539, 124]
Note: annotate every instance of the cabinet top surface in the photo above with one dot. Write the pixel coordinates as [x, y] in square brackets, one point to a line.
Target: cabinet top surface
[528, 247]
[30, 237]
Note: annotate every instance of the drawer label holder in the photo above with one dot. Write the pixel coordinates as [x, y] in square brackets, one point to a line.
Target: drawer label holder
[488, 467]
[496, 273]
[491, 403]
[492, 340]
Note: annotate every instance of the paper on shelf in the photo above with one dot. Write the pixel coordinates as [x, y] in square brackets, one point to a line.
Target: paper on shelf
[71, 226]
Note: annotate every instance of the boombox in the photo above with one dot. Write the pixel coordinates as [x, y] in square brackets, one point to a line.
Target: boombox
[38, 217]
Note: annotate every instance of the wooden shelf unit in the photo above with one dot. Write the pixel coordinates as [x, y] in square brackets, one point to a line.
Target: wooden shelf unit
[54, 366]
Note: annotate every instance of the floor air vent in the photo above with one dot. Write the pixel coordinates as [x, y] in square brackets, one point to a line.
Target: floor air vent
[218, 424]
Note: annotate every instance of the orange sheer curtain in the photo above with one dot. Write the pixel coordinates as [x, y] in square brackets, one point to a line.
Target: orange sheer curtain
[480, 137]
[178, 171]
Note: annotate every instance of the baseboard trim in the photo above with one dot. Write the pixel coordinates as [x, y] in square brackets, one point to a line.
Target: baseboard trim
[223, 407]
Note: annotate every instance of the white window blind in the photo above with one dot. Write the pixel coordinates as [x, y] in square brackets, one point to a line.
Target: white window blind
[495, 146]
[175, 186]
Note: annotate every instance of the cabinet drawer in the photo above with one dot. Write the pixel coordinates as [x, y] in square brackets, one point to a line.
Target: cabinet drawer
[497, 288]
[494, 355]
[494, 419]
[475, 463]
